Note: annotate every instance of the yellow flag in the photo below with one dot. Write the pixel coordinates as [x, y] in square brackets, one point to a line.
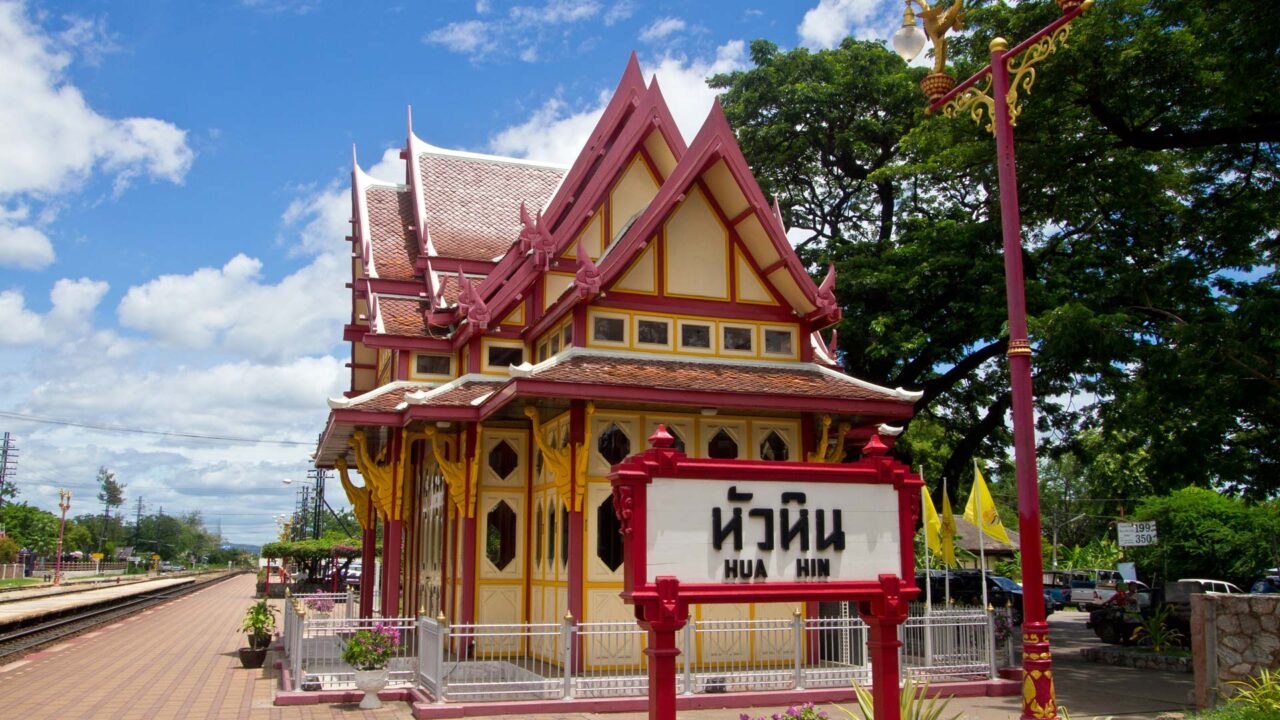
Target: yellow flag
[948, 531]
[932, 525]
[989, 523]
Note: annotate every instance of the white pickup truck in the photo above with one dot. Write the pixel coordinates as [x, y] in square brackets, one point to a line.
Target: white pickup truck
[1089, 594]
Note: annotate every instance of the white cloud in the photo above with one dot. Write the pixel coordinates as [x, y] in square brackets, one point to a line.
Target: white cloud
[52, 137]
[520, 33]
[232, 309]
[556, 133]
[70, 315]
[661, 28]
[472, 37]
[482, 7]
[24, 247]
[619, 11]
[826, 25]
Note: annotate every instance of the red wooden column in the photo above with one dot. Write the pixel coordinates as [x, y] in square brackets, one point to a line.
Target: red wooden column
[368, 565]
[392, 536]
[468, 570]
[579, 435]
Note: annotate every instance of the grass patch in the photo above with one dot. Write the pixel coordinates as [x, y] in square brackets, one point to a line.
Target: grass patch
[1235, 712]
[18, 582]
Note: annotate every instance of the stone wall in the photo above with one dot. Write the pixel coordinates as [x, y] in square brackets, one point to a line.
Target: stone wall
[1232, 637]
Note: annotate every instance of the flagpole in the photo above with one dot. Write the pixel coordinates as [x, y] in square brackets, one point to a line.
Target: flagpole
[947, 583]
[982, 574]
[928, 572]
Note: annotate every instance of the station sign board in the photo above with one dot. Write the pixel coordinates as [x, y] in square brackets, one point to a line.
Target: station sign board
[1137, 534]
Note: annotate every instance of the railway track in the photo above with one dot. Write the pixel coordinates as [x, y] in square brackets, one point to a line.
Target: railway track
[17, 642]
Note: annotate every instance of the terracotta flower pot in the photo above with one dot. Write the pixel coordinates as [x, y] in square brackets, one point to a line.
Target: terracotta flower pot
[371, 681]
[252, 658]
[935, 85]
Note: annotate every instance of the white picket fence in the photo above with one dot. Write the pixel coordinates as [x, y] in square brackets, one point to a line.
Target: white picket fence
[479, 663]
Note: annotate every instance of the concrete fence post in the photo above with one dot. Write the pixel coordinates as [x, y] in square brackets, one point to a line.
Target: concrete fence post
[689, 649]
[797, 635]
[566, 655]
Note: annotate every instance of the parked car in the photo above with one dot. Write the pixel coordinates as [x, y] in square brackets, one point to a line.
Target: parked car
[1269, 584]
[1218, 586]
[1103, 594]
[966, 589]
[1057, 586]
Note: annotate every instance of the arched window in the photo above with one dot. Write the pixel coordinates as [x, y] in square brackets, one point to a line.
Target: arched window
[722, 446]
[614, 445]
[773, 447]
[537, 535]
[564, 535]
[551, 531]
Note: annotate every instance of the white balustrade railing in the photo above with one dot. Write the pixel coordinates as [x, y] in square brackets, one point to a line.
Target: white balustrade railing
[479, 663]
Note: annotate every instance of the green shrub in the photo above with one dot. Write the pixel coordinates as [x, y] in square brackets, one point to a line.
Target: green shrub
[1261, 691]
[914, 702]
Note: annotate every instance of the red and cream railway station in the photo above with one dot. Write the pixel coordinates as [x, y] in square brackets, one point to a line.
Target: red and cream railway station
[517, 329]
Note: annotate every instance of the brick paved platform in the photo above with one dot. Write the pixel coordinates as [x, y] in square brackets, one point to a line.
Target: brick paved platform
[30, 608]
[176, 660]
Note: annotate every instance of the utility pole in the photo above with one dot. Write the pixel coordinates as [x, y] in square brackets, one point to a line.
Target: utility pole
[8, 463]
[137, 521]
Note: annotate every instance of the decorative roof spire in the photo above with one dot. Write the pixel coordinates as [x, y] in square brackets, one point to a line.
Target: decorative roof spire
[587, 279]
[777, 212]
[826, 292]
[534, 236]
[834, 344]
[471, 304]
[410, 119]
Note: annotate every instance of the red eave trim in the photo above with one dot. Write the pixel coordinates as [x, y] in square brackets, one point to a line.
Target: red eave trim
[525, 387]
[365, 417]
[406, 342]
[410, 288]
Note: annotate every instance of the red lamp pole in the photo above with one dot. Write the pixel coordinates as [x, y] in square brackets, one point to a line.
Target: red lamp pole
[1000, 98]
[64, 503]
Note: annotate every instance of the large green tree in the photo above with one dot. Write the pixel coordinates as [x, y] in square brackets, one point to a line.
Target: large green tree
[111, 495]
[1147, 173]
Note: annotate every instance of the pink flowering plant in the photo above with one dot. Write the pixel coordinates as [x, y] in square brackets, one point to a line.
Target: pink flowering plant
[371, 649]
[806, 711]
[320, 604]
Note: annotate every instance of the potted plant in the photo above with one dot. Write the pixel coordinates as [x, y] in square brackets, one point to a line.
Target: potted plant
[259, 623]
[368, 652]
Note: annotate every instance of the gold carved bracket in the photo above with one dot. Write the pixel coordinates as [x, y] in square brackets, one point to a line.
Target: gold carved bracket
[1023, 76]
[977, 102]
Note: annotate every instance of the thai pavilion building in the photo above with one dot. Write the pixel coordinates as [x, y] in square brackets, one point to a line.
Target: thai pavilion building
[516, 328]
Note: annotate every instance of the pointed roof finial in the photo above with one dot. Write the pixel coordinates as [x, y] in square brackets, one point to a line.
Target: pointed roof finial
[410, 118]
[354, 163]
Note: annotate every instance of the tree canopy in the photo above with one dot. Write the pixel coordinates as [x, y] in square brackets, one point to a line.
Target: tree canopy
[1147, 172]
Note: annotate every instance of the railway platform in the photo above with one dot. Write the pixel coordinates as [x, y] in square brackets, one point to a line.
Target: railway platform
[20, 609]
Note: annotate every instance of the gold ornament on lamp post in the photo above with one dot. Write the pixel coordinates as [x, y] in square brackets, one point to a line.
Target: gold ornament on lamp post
[910, 39]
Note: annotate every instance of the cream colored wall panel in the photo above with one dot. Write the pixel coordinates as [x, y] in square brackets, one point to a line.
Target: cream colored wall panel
[592, 238]
[632, 193]
[596, 570]
[732, 645]
[488, 502]
[499, 605]
[786, 285]
[661, 153]
[517, 441]
[641, 277]
[553, 285]
[697, 251]
[789, 432]
[750, 288]
[600, 422]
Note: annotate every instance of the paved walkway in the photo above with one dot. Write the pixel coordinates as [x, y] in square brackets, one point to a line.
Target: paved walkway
[179, 660]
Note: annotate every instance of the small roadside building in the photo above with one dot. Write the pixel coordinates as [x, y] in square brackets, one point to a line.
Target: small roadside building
[517, 328]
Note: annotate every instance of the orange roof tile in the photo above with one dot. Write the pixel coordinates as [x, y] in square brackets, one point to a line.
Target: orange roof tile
[463, 394]
[707, 377]
[473, 204]
[402, 316]
[395, 248]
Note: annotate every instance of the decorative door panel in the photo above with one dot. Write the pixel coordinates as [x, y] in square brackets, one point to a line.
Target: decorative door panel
[503, 458]
[603, 541]
[725, 638]
[501, 552]
[499, 605]
[613, 438]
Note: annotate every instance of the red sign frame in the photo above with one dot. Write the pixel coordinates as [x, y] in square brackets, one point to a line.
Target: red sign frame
[662, 603]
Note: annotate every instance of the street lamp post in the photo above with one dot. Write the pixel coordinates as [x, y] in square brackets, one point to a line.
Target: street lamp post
[999, 100]
[64, 504]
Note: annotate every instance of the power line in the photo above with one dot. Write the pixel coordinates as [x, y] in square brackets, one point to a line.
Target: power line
[140, 431]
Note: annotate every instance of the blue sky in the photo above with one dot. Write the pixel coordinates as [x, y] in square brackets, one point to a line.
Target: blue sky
[173, 197]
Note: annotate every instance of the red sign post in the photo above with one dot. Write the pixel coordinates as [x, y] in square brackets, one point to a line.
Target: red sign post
[738, 531]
